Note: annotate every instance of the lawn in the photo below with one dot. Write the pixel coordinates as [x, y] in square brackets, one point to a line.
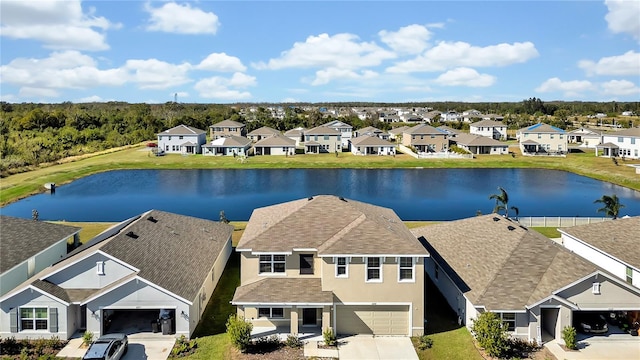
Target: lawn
[89, 229]
[550, 232]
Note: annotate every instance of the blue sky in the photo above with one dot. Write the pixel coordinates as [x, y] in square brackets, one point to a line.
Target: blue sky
[317, 51]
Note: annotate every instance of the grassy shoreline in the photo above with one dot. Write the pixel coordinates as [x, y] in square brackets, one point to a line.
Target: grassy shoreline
[19, 186]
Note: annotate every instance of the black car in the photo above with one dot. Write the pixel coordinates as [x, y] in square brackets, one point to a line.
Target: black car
[108, 347]
[591, 323]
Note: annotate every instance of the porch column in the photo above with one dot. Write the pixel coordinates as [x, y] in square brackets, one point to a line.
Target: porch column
[294, 321]
[326, 317]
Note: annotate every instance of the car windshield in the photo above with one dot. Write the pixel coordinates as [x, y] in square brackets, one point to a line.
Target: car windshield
[97, 350]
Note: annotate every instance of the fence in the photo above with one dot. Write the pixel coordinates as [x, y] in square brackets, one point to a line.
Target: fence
[434, 155]
[559, 221]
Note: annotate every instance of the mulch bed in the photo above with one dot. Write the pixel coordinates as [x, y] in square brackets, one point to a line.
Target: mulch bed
[282, 353]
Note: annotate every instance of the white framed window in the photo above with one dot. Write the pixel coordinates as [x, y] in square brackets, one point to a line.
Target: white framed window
[272, 264]
[342, 267]
[509, 321]
[100, 267]
[272, 313]
[406, 269]
[374, 269]
[595, 288]
[34, 318]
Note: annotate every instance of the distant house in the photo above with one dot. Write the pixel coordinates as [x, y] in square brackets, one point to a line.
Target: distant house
[451, 132]
[322, 139]
[450, 116]
[372, 131]
[395, 134]
[542, 139]
[152, 263]
[296, 134]
[275, 145]
[371, 145]
[425, 138]
[346, 131]
[471, 115]
[28, 246]
[261, 133]
[480, 145]
[489, 128]
[620, 143]
[226, 128]
[182, 139]
[229, 145]
[587, 138]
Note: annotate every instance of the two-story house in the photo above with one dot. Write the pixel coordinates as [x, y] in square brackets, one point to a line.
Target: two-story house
[620, 143]
[542, 139]
[182, 139]
[322, 139]
[227, 128]
[425, 138]
[262, 133]
[489, 128]
[28, 246]
[329, 262]
[346, 131]
[372, 131]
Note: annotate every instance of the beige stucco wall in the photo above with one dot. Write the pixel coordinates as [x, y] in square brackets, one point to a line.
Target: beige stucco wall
[250, 265]
[556, 142]
[439, 142]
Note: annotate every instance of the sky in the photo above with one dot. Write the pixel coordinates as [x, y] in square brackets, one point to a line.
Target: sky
[318, 51]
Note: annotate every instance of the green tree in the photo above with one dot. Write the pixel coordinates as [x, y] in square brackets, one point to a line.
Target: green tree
[491, 334]
[239, 331]
[611, 205]
[502, 201]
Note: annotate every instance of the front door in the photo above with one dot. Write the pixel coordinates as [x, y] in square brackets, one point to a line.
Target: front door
[308, 317]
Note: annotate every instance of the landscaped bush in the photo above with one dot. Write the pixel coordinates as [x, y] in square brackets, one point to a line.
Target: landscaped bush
[425, 342]
[87, 338]
[183, 347]
[570, 337]
[520, 348]
[266, 344]
[329, 337]
[239, 331]
[293, 341]
[491, 334]
[37, 349]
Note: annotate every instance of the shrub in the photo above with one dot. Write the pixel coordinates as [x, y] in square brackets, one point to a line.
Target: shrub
[570, 337]
[266, 344]
[425, 342]
[183, 347]
[239, 331]
[490, 334]
[329, 337]
[293, 341]
[87, 338]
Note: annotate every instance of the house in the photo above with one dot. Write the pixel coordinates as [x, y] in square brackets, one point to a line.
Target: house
[275, 145]
[371, 145]
[587, 138]
[608, 245]
[226, 128]
[296, 134]
[329, 262]
[229, 145]
[625, 143]
[372, 131]
[471, 115]
[450, 116]
[537, 287]
[425, 138]
[451, 132]
[480, 145]
[152, 263]
[489, 128]
[542, 139]
[395, 134]
[322, 139]
[346, 131]
[182, 139]
[28, 246]
[261, 133]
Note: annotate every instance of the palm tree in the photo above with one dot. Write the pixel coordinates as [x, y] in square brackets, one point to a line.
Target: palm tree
[611, 206]
[502, 201]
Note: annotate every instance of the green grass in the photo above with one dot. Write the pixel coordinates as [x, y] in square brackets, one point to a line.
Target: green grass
[89, 229]
[214, 347]
[550, 232]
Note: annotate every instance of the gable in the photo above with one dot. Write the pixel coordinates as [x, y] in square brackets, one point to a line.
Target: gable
[83, 274]
[613, 294]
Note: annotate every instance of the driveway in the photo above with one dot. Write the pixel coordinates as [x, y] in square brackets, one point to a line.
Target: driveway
[599, 349]
[379, 347]
[140, 348]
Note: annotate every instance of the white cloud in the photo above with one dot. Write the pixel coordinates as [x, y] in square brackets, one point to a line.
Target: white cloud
[626, 64]
[156, 74]
[623, 17]
[338, 51]
[59, 24]
[412, 39]
[327, 75]
[620, 87]
[447, 55]
[89, 99]
[182, 19]
[219, 87]
[569, 88]
[221, 62]
[465, 77]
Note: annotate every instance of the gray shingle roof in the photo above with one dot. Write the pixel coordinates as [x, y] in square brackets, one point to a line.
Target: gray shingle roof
[265, 130]
[230, 141]
[370, 140]
[488, 123]
[477, 140]
[228, 123]
[322, 130]
[21, 239]
[424, 129]
[331, 225]
[499, 264]
[276, 141]
[52, 289]
[283, 290]
[615, 238]
[182, 130]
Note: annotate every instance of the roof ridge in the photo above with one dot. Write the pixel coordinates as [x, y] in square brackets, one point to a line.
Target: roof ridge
[337, 236]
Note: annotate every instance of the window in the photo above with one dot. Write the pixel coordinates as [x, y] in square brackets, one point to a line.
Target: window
[374, 270]
[342, 267]
[509, 320]
[180, 137]
[272, 264]
[100, 267]
[306, 264]
[550, 136]
[326, 137]
[315, 137]
[595, 289]
[405, 269]
[561, 136]
[633, 141]
[539, 136]
[308, 137]
[629, 275]
[34, 319]
[275, 313]
[620, 139]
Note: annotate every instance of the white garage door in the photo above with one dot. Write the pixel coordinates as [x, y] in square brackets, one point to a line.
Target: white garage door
[372, 319]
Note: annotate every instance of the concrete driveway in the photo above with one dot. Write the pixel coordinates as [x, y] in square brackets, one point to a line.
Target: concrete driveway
[140, 348]
[373, 348]
[599, 349]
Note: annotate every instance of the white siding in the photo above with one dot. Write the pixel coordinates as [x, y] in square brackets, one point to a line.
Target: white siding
[32, 298]
[84, 275]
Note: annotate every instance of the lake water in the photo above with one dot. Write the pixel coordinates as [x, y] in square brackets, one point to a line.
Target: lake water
[414, 194]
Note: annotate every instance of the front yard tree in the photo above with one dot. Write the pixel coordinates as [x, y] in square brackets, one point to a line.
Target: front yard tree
[611, 205]
[491, 334]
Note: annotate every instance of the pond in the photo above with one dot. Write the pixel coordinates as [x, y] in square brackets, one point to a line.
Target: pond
[414, 194]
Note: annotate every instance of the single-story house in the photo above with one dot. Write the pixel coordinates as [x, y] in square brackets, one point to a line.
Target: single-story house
[479, 145]
[275, 145]
[585, 137]
[371, 145]
[153, 263]
[229, 145]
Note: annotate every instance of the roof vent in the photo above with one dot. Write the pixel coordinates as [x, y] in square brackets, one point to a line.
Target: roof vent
[341, 198]
[511, 228]
[495, 218]
[152, 219]
[310, 198]
[132, 235]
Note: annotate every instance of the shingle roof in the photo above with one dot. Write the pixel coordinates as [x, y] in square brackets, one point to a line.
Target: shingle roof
[52, 289]
[633, 132]
[322, 130]
[615, 238]
[398, 130]
[265, 130]
[488, 123]
[227, 123]
[283, 290]
[449, 130]
[499, 264]
[370, 141]
[424, 129]
[295, 132]
[230, 141]
[275, 141]
[331, 225]
[183, 130]
[21, 239]
[477, 140]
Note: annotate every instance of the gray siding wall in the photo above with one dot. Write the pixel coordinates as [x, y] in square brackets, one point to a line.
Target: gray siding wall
[32, 298]
[83, 274]
[9, 280]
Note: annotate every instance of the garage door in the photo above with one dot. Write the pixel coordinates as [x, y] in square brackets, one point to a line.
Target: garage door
[372, 319]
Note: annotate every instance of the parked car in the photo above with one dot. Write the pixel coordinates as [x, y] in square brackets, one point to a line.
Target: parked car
[108, 347]
[591, 323]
